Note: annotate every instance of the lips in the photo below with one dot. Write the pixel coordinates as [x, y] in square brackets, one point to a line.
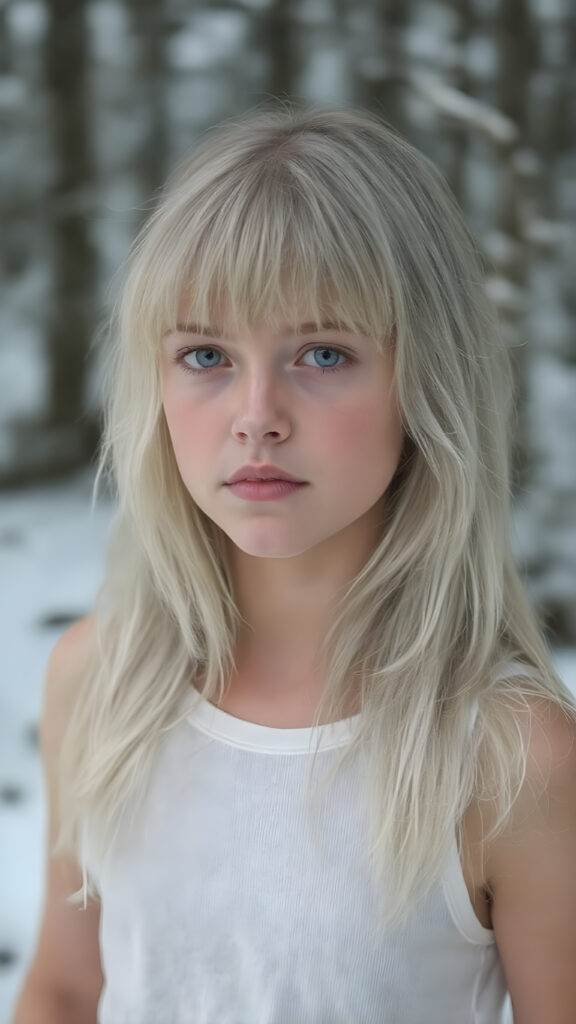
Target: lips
[260, 474]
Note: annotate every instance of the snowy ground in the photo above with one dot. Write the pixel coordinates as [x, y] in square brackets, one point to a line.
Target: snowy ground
[51, 547]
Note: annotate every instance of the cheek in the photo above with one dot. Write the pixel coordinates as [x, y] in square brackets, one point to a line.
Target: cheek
[368, 429]
[185, 420]
[177, 418]
[183, 427]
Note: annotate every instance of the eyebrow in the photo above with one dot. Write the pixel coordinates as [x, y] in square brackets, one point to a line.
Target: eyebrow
[216, 332]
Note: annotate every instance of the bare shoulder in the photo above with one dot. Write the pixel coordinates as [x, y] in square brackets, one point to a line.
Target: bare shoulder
[549, 736]
[67, 666]
[552, 741]
[74, 648]
[530, 868]
[546, 725]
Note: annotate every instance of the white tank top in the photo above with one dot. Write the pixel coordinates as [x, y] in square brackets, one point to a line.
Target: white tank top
[221, 907]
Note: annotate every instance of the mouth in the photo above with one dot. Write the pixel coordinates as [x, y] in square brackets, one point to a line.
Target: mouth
[262, 474]
[263, 480]
[265, 490]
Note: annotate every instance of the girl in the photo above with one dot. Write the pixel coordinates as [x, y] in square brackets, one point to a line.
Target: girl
[310, 578]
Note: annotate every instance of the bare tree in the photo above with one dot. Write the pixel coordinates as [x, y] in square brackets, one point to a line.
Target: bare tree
[68, 438]
[150, 26]
[378, 45]
[275, 36]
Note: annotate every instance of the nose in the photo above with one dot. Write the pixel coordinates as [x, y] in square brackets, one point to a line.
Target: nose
[261, 410]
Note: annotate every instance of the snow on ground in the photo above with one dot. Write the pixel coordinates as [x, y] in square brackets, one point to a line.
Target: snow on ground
[51, 547]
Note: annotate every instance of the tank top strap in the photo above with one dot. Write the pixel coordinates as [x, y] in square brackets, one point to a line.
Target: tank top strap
[508, 670]
[453, 882]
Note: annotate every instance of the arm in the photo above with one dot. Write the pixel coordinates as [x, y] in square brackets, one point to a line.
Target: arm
[531, 869]
[38, 1005]
[64, 980]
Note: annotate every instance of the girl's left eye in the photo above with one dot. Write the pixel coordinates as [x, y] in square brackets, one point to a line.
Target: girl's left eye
[181, 359]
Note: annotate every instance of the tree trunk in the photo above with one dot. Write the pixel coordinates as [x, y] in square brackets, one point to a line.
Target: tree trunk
[70, 323]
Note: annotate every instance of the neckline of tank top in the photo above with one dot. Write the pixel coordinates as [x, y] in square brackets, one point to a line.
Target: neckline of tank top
[238, 732]
[266, 739]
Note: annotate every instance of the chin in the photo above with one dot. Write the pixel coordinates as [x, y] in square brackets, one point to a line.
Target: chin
[264, 551]
[269, 547]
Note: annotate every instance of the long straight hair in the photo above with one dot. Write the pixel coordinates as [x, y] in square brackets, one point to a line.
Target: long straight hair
[290, 207]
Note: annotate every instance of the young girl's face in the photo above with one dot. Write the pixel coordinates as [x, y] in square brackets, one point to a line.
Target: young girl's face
[319, 405]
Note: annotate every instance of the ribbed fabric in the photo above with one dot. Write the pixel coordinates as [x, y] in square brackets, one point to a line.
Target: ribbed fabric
[225, 906]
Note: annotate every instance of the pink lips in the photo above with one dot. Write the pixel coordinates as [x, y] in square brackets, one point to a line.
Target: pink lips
[261, 473]
[265, 490]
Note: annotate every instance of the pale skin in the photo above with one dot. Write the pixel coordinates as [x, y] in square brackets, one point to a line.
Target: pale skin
[268, 403]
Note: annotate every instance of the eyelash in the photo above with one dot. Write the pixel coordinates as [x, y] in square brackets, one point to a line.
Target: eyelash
[180, 356]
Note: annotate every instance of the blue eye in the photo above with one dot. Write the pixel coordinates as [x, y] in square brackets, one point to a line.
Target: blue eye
[182, 359]
[194, 351]
[326, 351]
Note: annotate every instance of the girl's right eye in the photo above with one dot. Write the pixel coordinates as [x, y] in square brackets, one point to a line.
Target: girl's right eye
[182, 359]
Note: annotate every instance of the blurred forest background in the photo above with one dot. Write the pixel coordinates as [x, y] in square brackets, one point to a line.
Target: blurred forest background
[100, 98]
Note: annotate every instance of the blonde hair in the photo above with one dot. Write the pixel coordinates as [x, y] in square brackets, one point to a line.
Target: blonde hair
[329, 209]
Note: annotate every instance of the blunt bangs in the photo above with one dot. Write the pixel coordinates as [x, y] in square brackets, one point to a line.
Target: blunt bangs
[268, 241]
